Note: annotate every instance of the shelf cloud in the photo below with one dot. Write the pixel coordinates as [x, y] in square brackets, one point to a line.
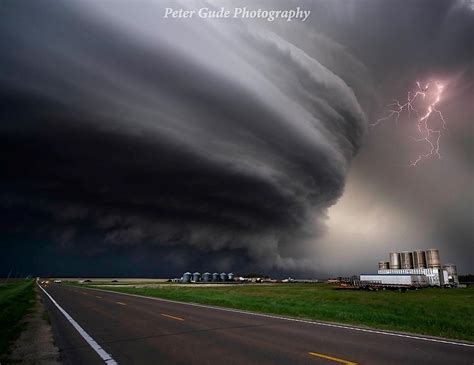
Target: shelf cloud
[124, 130]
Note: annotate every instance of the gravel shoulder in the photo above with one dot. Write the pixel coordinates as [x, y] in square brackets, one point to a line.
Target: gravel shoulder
[35, 344]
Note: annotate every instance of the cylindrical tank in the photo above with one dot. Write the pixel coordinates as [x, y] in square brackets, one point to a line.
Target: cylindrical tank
[452, 272]
[419, 260]
[230, 276]
[186, 277]
[394, 260]
[432, 259]
[223, 276]
[384, 265]
[207, 276]
[215, 276]
[406, 260]
[196, 277]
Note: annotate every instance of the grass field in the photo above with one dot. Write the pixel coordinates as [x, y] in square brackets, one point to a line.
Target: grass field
[15, 301]
[438, 312]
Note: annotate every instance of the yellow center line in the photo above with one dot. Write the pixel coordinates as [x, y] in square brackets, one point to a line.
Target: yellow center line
[340, 361]
[120, 303]
[173, 317]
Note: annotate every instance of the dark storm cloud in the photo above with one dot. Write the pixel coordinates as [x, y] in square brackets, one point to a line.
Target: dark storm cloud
[193, 144]
[431, 205]
[204, 137]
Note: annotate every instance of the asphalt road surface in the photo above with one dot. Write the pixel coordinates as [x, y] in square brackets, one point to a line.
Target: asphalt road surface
[97, 327]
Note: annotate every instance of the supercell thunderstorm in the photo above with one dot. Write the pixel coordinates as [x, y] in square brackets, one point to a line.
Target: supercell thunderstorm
[202, 136]
[132, 141]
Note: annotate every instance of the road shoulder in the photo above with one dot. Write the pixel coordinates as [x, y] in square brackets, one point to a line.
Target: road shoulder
[35, 344]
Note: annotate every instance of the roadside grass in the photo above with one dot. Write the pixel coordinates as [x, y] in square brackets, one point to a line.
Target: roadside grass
[438, 312]
[16, 299]
[45, 316]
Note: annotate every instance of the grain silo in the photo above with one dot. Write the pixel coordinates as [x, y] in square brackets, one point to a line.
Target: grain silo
[215, 276]
[186, 277]
[223, 276]
[207, 276]
[230, 276]
[432, 259]
[196, 277]
[419, 259]
[384, 265]
[406, 260]
[394, 260]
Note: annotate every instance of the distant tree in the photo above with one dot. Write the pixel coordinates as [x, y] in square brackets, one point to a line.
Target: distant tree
[466, 278]
[256, 275]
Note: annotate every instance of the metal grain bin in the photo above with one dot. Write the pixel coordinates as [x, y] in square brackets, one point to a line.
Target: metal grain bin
[223, 276]
[207, 276]
[406, 260]
[432, 259]
[394, 260]
[384, 265]
[419, 260]
[215, 276]
[186, 277]
[230, 276]
[196, 277]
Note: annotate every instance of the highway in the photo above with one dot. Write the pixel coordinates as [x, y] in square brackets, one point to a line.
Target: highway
[97, 327]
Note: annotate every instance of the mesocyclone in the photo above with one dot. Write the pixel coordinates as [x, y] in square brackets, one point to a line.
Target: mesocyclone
[147, 132]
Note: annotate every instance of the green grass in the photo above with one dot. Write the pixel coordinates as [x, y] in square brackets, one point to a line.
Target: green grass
[438, 312]
[16, 299]
[45, 316]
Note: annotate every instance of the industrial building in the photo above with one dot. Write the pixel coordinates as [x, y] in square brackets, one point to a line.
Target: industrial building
[452, 271]
[420, 268]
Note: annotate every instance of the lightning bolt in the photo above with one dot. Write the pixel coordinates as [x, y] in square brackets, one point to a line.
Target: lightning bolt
[429, 97]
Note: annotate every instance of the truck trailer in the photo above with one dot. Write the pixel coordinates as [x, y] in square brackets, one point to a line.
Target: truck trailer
[401, 280]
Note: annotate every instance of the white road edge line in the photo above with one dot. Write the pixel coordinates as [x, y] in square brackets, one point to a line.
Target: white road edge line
[295, 319]
[92, 343]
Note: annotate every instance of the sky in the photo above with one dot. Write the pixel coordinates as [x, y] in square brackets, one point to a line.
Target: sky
[135, 145]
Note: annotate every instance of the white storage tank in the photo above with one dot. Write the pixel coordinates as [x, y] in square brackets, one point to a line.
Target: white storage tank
[432, 259]
[419, 259]
[394, 260]
[406, 260]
